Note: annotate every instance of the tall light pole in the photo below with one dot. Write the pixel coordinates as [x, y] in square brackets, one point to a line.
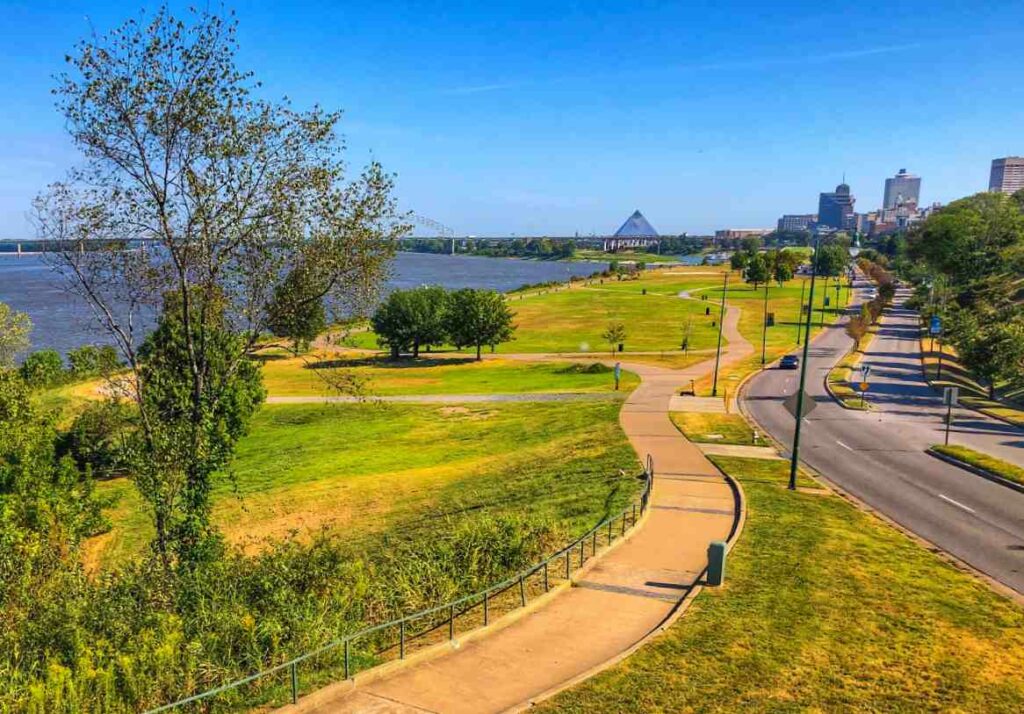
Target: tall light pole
[795, 459]
[764, 327]
[721, 320]
[800, 316]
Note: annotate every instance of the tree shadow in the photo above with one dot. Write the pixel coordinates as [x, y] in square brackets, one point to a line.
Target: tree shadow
[384, 362]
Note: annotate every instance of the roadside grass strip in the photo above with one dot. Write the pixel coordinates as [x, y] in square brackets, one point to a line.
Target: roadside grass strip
[840, 380]
[979, 460]
[710, 428]
[824, 608]
[972, 393]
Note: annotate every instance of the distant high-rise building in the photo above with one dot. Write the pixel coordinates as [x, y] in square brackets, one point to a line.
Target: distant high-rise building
[835, 209]
[902, 189]
[796, 222]
[1007, 174]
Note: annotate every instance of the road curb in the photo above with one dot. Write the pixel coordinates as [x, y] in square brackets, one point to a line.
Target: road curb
[977, 470]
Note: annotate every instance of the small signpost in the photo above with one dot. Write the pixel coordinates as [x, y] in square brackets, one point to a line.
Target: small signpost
[950, 397]
[865, 370]
[935, 326]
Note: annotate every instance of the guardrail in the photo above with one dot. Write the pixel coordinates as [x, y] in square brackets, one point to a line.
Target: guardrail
[480, 607]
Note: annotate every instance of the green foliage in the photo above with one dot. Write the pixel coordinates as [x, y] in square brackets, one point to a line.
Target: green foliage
[297, 310]
[96, 438]
[43, 368]
[832, 260]
[974, 250]
[478, 317]
[195, 409]
[92, 361]
[757, 271]
[15, 328]
[410, 319]
[738, 260]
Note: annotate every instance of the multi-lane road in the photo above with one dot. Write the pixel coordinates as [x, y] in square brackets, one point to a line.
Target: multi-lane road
[878, 456]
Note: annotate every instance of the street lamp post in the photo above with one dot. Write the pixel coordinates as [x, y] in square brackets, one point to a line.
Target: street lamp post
[800, 316]
[764, 327]
[795, 459]
[721, 321]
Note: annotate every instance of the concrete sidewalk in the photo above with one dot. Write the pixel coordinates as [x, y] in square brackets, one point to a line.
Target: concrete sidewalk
[615, 604]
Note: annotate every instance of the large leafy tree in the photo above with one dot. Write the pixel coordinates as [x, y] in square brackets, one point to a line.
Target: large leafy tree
[757, 272]
[410, 319]
[221, 193]
[15, 328]
[478, 317]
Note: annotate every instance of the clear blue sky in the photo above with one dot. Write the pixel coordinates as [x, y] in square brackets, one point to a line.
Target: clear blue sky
[550, 117]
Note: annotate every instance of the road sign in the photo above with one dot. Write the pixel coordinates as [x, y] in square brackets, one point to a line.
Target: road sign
[935, 327]
[950, 396]
[808, 405]
[864, 386]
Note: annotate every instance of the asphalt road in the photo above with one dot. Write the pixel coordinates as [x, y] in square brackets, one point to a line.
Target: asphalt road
[878, 456]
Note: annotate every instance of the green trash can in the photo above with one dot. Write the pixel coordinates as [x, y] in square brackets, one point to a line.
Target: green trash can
[716, 563]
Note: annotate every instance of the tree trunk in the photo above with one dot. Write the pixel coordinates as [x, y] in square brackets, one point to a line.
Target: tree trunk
[478, 357]
[394, 352]
[415, 349]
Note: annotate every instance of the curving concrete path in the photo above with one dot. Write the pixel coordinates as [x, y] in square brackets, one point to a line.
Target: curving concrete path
[624, 597]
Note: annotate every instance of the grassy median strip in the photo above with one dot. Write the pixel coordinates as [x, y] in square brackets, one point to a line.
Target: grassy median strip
[825, 608]
[972, 394]
[1011, 472]
[840, 377]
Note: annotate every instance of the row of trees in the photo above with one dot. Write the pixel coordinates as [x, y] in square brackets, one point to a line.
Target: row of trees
[762, 267]
[859, 325]
[973, 253]
[541, 248]
[420, 318]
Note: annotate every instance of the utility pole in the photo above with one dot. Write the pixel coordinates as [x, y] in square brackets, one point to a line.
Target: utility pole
[795, 459]
[721, 320]
[800, 317]
[764, 327]
[824, 297]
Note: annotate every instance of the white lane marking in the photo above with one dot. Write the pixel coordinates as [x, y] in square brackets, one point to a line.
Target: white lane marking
[944, 497]
[843, 445]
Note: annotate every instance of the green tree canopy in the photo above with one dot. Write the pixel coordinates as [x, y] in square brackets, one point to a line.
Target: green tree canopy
[15, 328]
[478, 317]
[757, 271]
[410, 319]
[297, 309]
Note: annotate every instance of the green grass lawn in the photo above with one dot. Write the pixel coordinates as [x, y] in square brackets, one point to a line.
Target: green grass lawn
[825, 609]
[315, 374]
[368, 469]
[700, 427]
[1009, 471]
[780, 338]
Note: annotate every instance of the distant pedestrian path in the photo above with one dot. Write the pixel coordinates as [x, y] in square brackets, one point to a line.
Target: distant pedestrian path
[626, 596]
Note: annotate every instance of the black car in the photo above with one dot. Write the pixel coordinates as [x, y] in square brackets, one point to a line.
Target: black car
[789, 362]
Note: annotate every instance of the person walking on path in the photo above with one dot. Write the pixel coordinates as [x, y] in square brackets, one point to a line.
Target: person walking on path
[618, 374]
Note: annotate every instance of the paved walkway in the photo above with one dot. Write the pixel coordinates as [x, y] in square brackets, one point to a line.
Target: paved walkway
[625, 596]
[453, 398]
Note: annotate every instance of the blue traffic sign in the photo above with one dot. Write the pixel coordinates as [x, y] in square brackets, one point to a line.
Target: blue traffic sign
[935, 327]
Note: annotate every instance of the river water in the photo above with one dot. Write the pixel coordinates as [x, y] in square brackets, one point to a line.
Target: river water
[62, 321]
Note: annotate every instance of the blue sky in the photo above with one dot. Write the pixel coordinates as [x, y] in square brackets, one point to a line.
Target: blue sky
[551, 118]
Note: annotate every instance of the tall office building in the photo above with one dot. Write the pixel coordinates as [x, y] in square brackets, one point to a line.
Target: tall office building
[1007, 174]
[835, 209]
[902, 189]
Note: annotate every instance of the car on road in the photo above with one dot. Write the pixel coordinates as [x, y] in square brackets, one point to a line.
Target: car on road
[789, 362]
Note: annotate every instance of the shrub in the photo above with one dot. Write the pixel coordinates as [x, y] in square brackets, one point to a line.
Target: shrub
[95, 439]
[44, 368]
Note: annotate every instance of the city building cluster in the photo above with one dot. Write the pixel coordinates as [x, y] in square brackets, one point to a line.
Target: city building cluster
[901, 203]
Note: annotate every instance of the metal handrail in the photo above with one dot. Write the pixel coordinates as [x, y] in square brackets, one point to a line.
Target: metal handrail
[483, 596]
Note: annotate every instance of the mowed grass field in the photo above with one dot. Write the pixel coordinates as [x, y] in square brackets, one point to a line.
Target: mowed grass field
[825, 609]
[365, 470]
[317, 374]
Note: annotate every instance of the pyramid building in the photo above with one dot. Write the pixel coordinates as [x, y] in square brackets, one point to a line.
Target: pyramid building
[636, 232]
